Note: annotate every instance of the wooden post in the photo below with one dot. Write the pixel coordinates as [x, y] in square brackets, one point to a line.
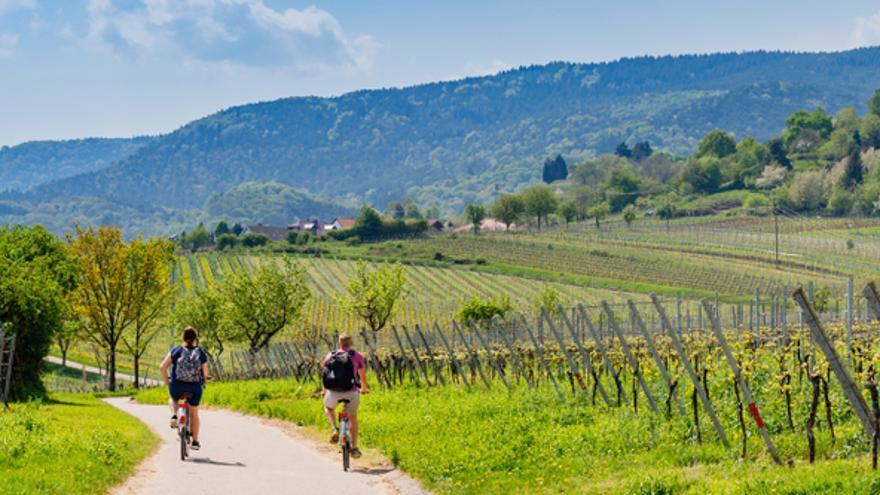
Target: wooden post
[513, 354]
[416, 354]
[747, 394]
[452, 359]
[589, 362]
[409, 366]
[575, 369]
[474, 359]
[872, 300]
[374, 358]
[701, 391]
[540, 351]
[850, 389]
[652, 350]
[490, 354]
[612, 322]
[438, 373]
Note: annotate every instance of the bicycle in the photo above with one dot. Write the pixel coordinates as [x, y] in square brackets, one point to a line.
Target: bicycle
[344, 435]
[183, 429]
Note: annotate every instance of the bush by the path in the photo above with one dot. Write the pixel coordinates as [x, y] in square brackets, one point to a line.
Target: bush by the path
[481, 442]
[69, 444]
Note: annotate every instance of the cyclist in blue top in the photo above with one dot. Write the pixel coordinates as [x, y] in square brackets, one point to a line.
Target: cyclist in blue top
[189, 371]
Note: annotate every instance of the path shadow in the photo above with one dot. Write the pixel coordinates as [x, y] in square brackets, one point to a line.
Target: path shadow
[372, 471]
[208, 460]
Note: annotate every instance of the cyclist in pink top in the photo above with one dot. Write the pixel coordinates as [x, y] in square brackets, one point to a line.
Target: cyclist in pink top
[345, 378]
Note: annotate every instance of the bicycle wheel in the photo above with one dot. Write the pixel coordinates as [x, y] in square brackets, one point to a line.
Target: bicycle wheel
[346, 454]
[182, 435]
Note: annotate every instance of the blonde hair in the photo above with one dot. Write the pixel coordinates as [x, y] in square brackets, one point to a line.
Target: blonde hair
[345, 340]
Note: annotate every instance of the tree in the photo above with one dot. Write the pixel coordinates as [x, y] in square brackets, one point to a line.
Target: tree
[641, 150]
[226, 241]
[623, 150]
[149, 264]
[668, 209]
[261, 304]
[717, 143]
[432, 213]
[118, 283]
[68, 334]
[598, 212]
[629, 214]
[870, 131]
[568, 211]
[237, 229]
[395, 210]
[540, 201]
[703, 175]
[622, 188]
[203, 310]
[776, 148]
[221, 229]
[476, 310]
[874, 104]
[475, 215]
[368, 223]
[808, 190]
[853, 173]
[841, 201]
[817, 120]
[508, 209]
[36, 274]
[554, 169]
[411, 209]
[375, 293]
[548, 299]
[197, 239]
[254, 239]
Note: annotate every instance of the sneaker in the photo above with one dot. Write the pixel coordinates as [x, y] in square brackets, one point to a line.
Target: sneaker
[334, 437]
[196, 446]
[173, 422]
[356, 453]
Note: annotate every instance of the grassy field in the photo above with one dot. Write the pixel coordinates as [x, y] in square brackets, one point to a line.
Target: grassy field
[69, 444]
[457, 441]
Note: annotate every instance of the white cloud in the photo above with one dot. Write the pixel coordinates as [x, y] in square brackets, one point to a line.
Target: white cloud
[9, 5]
[866, 30]
[8, 44]
[241, 32]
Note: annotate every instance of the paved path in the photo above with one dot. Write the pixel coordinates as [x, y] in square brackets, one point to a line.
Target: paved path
[98, 371]
[245, 455]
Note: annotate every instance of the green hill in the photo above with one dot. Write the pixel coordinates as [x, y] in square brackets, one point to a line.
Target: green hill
[455, 142]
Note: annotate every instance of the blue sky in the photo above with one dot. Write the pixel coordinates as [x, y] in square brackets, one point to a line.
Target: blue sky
[75, 68]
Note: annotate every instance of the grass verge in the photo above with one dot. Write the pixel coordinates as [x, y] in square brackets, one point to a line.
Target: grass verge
[70, 444]
[480, 442]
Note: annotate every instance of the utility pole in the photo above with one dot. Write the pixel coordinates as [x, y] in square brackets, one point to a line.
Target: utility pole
[776, 228]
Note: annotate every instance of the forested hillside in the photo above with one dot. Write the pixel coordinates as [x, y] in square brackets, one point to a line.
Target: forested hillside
[37, 162]
[453, 143]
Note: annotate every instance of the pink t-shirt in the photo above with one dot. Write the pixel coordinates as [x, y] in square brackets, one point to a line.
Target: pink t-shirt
[357, 360]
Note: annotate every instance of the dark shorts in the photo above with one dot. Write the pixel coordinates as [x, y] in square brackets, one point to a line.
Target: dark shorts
[176, 389]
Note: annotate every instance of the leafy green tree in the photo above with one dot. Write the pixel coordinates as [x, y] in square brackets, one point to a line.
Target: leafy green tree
[226, 241]
[254, 239]
[368, 223]
[119, 286]
[749, 161]
[237, 229]
[703, 175]
[540, 202]
[840, 202]
[475, 215]
[411, 210]
[548, 299]
[36, 274]
[808, 190]
[629, 214]
[668, 208]
[395, 210]
[816, 120]
[853, 173]
[375, 293]
[642, 150]
[508, 209]
[717, 143]
[623, 150]
[259, 305]
[66, 336]
[874, 104]
[197, 239]
[568, 211]
[598, 212]
[204, 311]
[847, 119]
[869, 130]
[554, 169]
[479, 311]
[622, 189]
[221, 228]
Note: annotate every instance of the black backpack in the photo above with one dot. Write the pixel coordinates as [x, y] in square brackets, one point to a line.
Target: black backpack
[338, 373]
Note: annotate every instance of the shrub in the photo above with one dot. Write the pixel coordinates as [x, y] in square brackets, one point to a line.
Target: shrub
[226, 241]
[253, 240]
